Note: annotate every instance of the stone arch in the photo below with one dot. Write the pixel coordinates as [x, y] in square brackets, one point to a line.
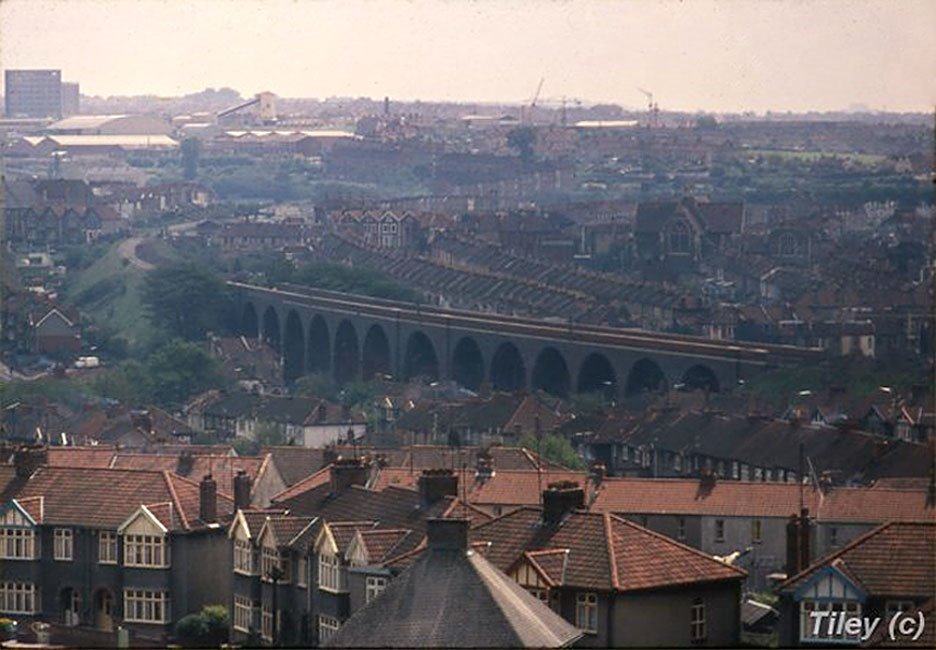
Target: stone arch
[250, 322]
[293, 348]
[271, 328]
[318, 350]
[421, 359]
[644, 376]
[700, 377]
[468, 364]
[376, 359]
[347, 355]
[551, 373]
[508, 371]
[596, 375]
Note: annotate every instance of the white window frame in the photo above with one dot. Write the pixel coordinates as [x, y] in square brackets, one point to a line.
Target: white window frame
[330, 573]
[302, 571]
[269, 559]
[374, 586]
[719, 530]
[146, 551]
[586, 612]
[327, 626]
[107, 547]
[146, 606]
[266, 623]
[63, 548]
[19, 598]
[244, 557]
[243, 615]
[18, 543]
[697, 622]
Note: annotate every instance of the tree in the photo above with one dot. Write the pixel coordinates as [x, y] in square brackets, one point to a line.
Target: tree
[553, 447]
[186, 300]
[190, 149]
[522, 139]
[208, 628]
[179, 369]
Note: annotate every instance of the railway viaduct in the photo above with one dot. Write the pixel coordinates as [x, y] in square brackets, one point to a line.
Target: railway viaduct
[350, 337]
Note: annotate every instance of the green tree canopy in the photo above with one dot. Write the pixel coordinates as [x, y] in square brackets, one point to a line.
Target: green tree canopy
[186, 300]
[521, 139]
[553, 447]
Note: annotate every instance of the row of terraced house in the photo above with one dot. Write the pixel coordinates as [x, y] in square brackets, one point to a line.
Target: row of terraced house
[598, 561]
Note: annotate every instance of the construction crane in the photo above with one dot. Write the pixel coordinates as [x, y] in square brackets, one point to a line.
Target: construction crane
[652, 107]
[529, 111]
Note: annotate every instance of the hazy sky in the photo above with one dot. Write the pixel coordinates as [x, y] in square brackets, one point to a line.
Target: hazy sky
[731, 55]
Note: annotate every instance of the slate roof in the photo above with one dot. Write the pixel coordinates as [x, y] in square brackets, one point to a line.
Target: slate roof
[295, 462]
[104, 498]
[895, 559]
[454, 598]
[599, 551]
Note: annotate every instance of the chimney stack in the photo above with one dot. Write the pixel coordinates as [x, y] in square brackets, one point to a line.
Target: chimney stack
[799, 542]
[561, 498]
[434, 484]
[185, 463]
[346, 472]
[447, 534]
[242, 485]
[484, 468]
[208, 500]
[28, 458]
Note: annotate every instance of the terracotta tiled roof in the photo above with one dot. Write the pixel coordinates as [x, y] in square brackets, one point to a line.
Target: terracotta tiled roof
[343, 532]
[316, 480]
[504, 488]
[894, 559]
[764, 499]
[380, 544]
[254, 518]
[290, 530]
[605, 552]
[104, 498]
[222, 468]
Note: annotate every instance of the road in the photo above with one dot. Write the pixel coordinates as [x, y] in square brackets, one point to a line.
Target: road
[127, 250]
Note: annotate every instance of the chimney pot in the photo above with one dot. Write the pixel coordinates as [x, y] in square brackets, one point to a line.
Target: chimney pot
[28, 458]
[346, 472]
[447, 534]
[561, 498]
[434, 484]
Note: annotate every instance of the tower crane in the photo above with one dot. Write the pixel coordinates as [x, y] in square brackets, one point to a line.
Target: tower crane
[652, 107]
[529, 111]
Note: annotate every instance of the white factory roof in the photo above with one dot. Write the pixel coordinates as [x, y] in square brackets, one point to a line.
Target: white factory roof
[606, 124]
[321, 133]
[124, 141]
[83, 122]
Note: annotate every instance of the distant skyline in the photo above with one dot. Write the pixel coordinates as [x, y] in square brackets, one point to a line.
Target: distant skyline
[711, 55]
